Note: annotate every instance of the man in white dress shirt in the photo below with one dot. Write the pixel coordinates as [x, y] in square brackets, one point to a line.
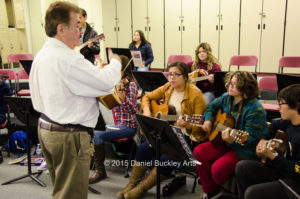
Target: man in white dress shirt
[64, 86]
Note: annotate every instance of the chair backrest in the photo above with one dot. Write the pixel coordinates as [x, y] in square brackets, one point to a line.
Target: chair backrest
[14, 58]
[243, 60]
[9, 72]
[22, 74]
[293, 62]
[182, 58]
[268, 83]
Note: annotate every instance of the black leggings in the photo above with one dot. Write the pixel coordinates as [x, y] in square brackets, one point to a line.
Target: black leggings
[255, 181]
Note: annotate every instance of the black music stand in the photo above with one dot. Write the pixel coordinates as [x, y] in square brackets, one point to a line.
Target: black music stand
[23, 109]
[165, 140]
[149, 81]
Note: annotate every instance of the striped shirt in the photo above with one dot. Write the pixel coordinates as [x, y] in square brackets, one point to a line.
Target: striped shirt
[125, 113]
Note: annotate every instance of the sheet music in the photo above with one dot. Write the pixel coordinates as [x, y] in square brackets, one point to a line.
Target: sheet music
[137, 58]
[179, 134]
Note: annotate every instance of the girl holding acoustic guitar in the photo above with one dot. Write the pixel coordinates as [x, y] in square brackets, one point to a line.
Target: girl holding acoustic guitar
[205, 65]
[240, 108]
[187, 99]
[124, 118]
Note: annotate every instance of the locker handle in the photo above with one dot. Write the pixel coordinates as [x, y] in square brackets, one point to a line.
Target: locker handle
[149, 28]
[221, 27]
[145, 28]
[217, 27]
[183, 28]
[264, 26]
[258, 27]
[179, 28]
[118, 28]
[115, 29]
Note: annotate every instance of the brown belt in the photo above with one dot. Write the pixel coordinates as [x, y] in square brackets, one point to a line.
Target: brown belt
[55, 127]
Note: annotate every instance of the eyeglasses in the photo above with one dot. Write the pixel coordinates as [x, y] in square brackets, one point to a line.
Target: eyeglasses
[79, 27]
[174, 75]
[282, 103]
[232, 84]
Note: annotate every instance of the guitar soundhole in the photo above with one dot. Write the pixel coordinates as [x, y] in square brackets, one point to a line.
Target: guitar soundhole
[158, 115]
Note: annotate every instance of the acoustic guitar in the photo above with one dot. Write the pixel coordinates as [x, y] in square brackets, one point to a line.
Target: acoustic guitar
[168, 113]
[198, 75]
[96, 38]
[222, 122]
[278, 146]
[110, 100]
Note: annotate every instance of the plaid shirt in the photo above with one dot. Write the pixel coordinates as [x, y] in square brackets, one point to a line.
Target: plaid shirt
[252, 119]
[125, 113]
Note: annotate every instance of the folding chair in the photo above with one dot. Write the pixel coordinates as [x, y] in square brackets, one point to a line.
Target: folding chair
[22, 74]
[14, 58]
[243, 60]
[181, 58]
[291, 62]
[268, 88]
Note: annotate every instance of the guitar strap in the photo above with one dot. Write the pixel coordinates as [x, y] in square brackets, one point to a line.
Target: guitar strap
[239, 111]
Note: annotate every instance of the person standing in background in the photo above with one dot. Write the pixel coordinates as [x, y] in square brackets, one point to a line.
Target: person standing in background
[92, 48]
[140, 43]
[204, 60]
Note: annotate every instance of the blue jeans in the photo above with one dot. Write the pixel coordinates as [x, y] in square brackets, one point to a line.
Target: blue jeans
[209, 97]
[145, 69]
[110, 134]
[146, 153]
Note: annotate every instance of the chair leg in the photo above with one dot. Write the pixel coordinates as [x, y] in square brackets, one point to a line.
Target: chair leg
[133, 148]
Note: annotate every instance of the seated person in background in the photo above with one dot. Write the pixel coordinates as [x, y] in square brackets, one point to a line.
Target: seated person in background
[205, 61]
[92, 48]
[257, 180]
[124, 118]
[140, 43]
[5, 90]
[219, 157]
[187, 99]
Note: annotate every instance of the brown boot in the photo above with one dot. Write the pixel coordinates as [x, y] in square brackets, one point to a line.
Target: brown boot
[99, 156]
[144, 185]
[137, 172]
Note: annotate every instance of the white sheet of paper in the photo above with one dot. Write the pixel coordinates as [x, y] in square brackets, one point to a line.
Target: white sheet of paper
[137, 58]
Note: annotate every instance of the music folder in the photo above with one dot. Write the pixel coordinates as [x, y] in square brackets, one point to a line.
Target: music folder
[173, 143]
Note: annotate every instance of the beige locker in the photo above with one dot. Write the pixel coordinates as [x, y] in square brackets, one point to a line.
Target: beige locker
[117, 23]
[210, 24]
[172, 27]
[292, 39]
[147, 15]
[262, 32]
[124, 23]
[19, 13]
[3, 15]
[250, 29]
[156, 31]
[21, 46]
[229, 31]
[182, 26]
[272, 35]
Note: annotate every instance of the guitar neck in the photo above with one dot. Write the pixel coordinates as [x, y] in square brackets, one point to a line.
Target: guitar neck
[169, 118]
[83, 45]
[197, 79]
[221, 127]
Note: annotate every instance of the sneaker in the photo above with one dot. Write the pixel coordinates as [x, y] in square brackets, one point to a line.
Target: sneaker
[43, 166]
[1, 157]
